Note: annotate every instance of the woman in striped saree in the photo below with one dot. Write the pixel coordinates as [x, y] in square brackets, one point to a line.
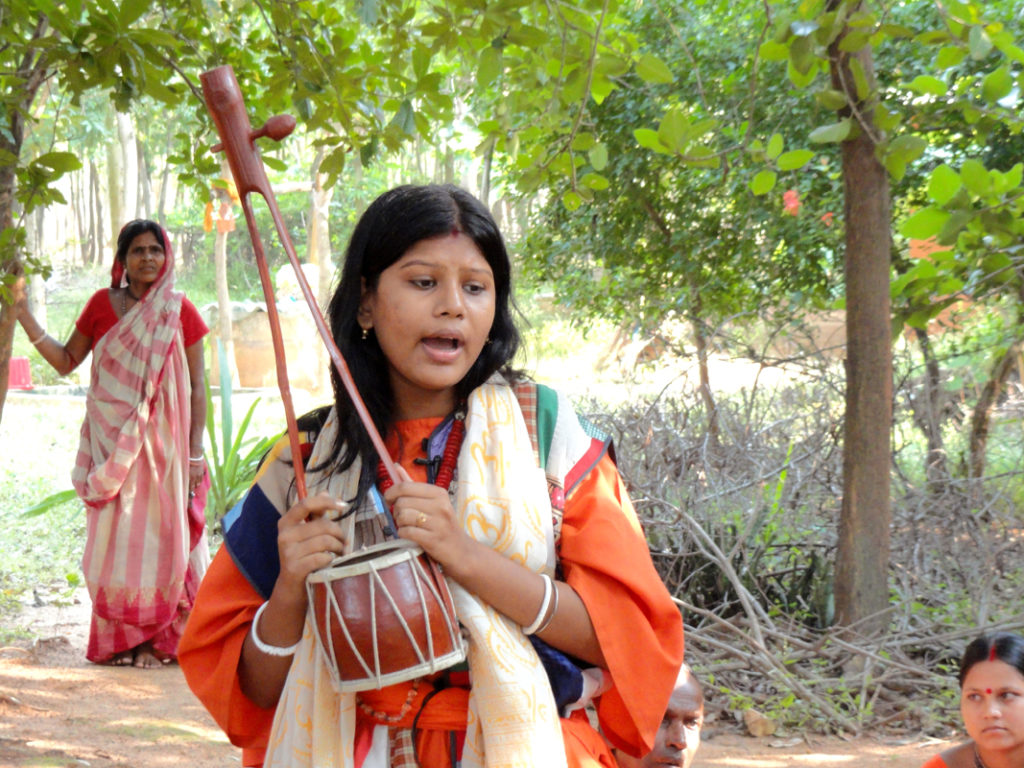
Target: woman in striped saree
[140, 468]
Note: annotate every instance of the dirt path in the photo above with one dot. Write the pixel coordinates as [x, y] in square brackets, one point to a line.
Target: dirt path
[58, 710]
[813, 752]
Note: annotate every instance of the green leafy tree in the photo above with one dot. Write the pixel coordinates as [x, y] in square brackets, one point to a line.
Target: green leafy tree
[366, 78]
[680, 233]
[72, 48]
[898, 90]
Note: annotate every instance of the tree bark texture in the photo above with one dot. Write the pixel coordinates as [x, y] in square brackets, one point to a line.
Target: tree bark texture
[145, 194]
[981, 419]
[224, 331]
[32, 72]
[11, 265]
[115, 177]
[706, 395]
[862, 557]
[929, 415]
[126, 183]
[320, 254]
[99, 237]
[165, 175]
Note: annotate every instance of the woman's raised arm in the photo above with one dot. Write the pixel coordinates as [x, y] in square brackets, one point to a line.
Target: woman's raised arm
[63, 357]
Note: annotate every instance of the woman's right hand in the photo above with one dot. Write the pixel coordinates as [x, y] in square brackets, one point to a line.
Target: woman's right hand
[308, 538]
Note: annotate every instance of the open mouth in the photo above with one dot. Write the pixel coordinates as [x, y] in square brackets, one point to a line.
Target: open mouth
[442, 343]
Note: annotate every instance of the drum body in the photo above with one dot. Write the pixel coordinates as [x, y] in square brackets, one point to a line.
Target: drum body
[383, 615]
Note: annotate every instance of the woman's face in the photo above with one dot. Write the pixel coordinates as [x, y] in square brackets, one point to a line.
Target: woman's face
[143, 261]
[431, 312]
[992, 705]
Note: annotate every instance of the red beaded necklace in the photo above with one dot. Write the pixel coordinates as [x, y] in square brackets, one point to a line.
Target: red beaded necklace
[452, 446]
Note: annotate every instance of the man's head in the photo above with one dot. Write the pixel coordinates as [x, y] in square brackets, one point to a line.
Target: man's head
[679, 734]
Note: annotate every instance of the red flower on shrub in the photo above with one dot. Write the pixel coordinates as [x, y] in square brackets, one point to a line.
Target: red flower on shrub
[791, 202]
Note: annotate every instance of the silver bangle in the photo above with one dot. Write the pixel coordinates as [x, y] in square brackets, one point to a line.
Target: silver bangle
[270, 650]
[196, 459]
[35, 343]
[548, 586]
[554, 610]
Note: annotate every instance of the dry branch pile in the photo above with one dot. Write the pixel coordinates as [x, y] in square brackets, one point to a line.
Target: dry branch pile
[742, 526]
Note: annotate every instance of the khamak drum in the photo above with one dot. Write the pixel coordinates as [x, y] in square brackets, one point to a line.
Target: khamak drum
[383, 615]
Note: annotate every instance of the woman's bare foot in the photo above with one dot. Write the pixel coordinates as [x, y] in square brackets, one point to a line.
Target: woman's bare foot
[123, 659]
[146, 657]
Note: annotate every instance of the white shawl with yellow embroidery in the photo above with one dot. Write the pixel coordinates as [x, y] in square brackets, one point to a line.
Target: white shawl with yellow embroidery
[502, 500]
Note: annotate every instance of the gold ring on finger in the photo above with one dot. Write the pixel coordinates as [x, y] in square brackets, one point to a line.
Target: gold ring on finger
[421, 519]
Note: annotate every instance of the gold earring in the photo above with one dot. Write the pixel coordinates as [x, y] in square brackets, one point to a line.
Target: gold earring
[366, 333]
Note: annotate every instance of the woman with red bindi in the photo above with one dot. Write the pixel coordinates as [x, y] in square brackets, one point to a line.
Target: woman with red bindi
[991, 704]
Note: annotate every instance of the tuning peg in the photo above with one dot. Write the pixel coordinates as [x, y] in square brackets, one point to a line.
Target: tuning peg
[276, 127]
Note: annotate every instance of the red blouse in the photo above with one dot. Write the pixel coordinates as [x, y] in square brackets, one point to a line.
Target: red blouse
[99, 316]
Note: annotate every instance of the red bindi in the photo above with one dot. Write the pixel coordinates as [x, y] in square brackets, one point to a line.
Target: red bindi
[988, 691]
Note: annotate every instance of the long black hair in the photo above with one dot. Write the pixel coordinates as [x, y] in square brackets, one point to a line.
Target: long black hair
[998, 646]
[393, 223]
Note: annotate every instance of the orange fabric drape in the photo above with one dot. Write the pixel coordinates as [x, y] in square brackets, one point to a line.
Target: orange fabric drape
[605, 559]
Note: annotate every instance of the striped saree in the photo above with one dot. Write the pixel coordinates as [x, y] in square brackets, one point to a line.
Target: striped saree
[145, 551]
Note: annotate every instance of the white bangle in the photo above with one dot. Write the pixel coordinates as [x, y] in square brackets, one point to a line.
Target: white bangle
[548, 586]
[35, 343]
[270, 650]
[554, 610]
[196, 459]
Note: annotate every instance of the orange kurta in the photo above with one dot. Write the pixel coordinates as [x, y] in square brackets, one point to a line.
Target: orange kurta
[604, 557]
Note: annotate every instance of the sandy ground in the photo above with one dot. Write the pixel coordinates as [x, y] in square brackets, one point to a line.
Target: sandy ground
[56, 709]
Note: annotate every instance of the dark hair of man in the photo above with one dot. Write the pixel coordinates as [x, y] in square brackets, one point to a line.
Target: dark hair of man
[393, 223]
[133, 229]
[998, 646]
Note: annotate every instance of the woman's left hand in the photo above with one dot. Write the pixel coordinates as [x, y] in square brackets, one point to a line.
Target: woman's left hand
[424, 515]
[196, 470]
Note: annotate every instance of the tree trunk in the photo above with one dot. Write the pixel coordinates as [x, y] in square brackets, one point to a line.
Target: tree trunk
[128, 182]
[320, 254]
[449, 165]
[115, 177]
[97, 213]
[79, 201]
[34, 243]
[418, 156]
[224, 331]
[31, 74]
[981, 419]
[165, 176]
[862, 557]
[11, 262]
[485, 175]
[701, 341]
[928, 415]
[145, 183]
